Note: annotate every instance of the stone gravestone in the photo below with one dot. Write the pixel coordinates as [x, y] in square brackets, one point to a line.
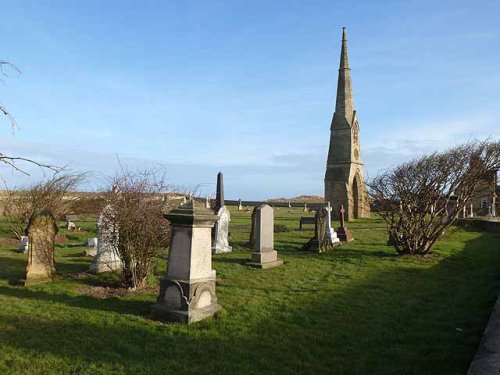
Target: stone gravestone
[251, 241]
[219, 198]
[91, 242]
[41, 232]
[343, 233]
[264, 255]
[471, 214]
[107, 258]
[23, 244]
[330, 232]
[240, 206]
[221, 231]
[187, 291]
[319, 243]
[207, 201]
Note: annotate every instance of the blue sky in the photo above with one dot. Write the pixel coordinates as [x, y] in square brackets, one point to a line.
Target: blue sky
[245, 87]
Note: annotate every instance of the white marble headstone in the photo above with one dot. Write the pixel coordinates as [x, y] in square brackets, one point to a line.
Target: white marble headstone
[107, 258]
[221, 232]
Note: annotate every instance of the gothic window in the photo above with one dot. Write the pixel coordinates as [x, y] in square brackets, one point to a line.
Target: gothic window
[355, 132]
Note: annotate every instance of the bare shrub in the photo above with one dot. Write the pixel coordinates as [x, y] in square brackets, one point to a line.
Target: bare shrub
[420, 199]
[138, 206]
[52, 194]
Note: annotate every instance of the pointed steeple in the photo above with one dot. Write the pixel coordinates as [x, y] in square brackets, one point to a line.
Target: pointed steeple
[344, 105]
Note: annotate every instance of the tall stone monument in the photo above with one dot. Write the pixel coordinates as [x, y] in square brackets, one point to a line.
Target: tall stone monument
[187, 291]
[41, 232]
[344, 180]
[264, 255]
[220, 232]
[106, 258]
[219, 198]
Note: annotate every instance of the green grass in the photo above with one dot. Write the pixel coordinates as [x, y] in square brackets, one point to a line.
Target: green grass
[358, 309]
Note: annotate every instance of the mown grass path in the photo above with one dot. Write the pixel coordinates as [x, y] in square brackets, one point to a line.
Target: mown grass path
[359, 309]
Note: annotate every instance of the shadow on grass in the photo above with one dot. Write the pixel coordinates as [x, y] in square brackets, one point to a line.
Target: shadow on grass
[400, 320]
[82, 301]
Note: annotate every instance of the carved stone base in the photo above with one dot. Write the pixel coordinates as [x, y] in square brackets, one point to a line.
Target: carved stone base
[265, 259]
[221, 249]
[186, 301]
[33, 279]
[344, 234]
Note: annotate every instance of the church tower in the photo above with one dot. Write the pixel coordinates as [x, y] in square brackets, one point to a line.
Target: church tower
[344, 177]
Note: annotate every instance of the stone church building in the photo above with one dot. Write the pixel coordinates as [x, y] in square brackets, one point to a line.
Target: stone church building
[344, 177]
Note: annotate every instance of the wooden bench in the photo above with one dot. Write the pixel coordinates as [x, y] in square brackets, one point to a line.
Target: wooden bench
[306, 220]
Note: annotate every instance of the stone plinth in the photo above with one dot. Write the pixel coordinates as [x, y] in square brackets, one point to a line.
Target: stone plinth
[220, 243]
[264, 255]
[41, 232]
[187, 291]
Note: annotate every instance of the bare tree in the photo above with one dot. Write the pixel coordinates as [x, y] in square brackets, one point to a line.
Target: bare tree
[420, 199]
[138, 205]
[15, 161]
[52, 193]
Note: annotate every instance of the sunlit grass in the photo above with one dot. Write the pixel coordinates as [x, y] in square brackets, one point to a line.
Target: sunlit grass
[357, 309]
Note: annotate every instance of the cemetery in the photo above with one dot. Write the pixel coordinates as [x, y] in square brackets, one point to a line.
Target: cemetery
[397, 273]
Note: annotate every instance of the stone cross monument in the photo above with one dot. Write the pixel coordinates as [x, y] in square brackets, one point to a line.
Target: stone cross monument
[187, 291]
[344, 234]
[344, 180]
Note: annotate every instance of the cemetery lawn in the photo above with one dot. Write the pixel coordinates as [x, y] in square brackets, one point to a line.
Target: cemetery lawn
[357, 309]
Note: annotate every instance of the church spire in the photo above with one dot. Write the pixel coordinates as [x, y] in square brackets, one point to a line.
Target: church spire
[344, 105]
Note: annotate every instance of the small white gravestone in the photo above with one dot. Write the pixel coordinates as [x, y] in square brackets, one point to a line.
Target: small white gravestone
[330, 232]
[207, 201]
[264, 255]
[221, 231]
[70, 225]
[91, 242]
[107, 258]
[471, 214]
[23, 244]
[240, 206]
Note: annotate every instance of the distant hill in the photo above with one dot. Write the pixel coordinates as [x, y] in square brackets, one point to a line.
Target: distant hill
[301, 198]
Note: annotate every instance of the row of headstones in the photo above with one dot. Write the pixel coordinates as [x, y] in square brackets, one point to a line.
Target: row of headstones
[466, 213]
[39, 244]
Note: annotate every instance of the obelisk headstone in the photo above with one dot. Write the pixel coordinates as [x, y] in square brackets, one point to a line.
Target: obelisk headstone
[344, 234]
[41, 232]
[187, 291]
[264, 255]
[107, 258]
[219, 199]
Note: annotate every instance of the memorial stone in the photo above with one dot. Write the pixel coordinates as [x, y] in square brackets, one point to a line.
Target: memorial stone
[107, 258]
[41, 232]
[344, 234]
[264, 255]
[221, 232]
[187, 291]
[23, 245]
